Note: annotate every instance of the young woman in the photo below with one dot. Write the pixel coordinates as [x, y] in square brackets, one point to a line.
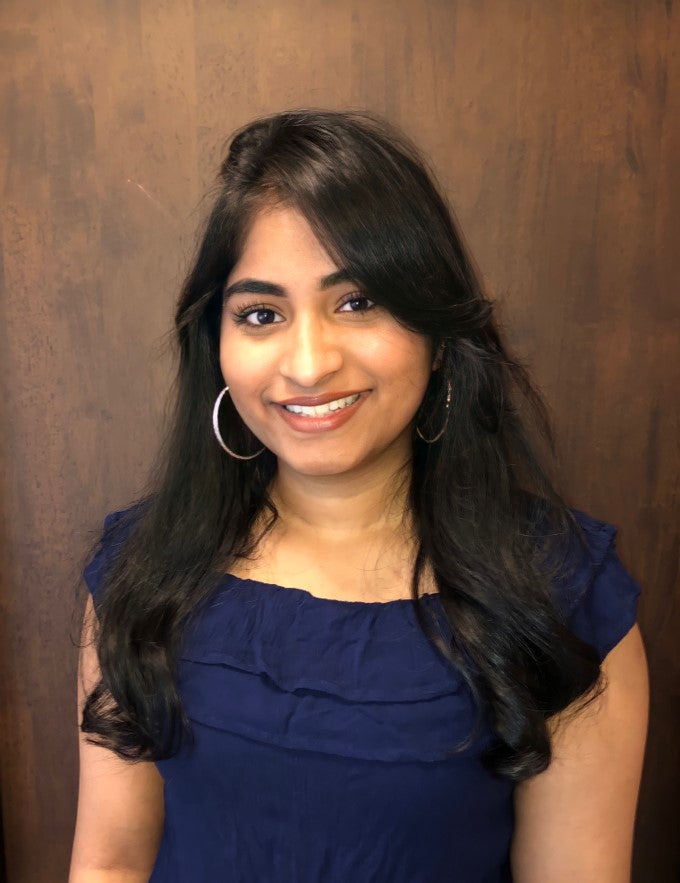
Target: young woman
[351, 631]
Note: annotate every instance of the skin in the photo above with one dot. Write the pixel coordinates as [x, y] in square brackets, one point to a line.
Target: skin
[343, 533]
[339, 492]
[311, 341]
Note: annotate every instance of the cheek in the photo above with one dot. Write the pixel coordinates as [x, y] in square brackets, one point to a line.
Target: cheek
[408, 361]
[236, 361]
[248, 378]
[239, 381]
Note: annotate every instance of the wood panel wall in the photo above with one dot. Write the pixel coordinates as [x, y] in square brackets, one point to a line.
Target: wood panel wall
[554, 128]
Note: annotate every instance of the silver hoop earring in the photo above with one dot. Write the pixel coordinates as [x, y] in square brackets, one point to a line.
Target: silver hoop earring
[218, 436]
[447, 407]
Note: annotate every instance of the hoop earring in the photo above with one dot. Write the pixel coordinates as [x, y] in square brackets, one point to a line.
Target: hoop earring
[218, 436]
[447, 407]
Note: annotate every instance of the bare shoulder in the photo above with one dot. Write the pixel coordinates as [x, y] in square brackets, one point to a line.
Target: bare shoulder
[575, 821]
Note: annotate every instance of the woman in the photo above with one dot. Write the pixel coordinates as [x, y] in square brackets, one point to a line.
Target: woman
[353, 631]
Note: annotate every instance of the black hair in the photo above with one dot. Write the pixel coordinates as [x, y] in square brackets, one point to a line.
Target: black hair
[490, 520]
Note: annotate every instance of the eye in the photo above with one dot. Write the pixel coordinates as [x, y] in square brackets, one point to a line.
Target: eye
[257, 316]
[356, 303]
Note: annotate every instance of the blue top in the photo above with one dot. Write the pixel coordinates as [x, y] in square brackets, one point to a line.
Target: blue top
[322, 734]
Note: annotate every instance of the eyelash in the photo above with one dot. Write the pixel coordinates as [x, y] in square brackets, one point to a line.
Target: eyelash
[241, 316]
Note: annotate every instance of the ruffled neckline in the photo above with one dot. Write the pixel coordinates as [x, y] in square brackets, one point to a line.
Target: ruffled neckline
[356, 649]
[351, 678]
[360, 650]
[310, 597]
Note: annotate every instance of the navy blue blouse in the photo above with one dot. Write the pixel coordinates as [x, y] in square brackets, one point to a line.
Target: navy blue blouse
[322, 736]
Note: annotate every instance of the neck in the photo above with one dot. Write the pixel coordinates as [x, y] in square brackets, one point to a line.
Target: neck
[367, 501]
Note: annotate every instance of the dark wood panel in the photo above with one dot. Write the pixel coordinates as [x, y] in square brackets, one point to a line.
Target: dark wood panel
[555, 129]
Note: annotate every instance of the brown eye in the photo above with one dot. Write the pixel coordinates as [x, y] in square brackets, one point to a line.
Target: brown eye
[257, 316]
[357, 303]
[261, 317]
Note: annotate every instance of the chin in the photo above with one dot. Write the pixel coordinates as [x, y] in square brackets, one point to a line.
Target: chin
[321, 469]
[322, 466]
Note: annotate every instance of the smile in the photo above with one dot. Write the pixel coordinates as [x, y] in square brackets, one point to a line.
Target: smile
[322, 410]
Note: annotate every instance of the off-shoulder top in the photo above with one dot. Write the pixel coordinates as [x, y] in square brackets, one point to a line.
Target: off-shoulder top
[323, 733]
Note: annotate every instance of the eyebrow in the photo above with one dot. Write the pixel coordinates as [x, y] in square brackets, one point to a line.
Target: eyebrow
[258, 286]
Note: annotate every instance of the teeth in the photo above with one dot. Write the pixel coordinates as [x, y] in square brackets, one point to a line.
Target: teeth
[322, 410]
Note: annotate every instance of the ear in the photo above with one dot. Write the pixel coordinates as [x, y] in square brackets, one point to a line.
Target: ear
[436, 364]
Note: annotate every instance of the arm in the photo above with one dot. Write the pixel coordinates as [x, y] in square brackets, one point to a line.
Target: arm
[575, 820]
[120, 804]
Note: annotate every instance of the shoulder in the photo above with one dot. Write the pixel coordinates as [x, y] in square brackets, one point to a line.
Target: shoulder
[114, 533]
[597, 595]
[578, 815]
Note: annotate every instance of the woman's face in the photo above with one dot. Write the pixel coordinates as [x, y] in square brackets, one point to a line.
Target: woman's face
[328, 381]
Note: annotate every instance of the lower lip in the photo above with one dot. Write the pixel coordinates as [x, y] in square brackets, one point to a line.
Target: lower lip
[320, 424]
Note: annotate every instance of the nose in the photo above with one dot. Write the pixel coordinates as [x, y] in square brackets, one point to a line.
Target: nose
[311, 353]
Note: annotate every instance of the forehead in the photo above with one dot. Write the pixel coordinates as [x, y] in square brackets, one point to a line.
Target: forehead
[280, 240]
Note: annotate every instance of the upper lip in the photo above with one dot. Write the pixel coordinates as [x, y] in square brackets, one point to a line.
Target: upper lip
[323, 399]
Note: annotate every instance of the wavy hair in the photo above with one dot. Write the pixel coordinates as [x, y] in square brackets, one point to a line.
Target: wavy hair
[490, 521]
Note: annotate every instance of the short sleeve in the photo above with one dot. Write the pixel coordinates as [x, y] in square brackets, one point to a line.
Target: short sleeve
[600, 600]
[114, 532]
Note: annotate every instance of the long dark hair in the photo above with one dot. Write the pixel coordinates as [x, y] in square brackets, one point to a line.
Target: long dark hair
[490, 521]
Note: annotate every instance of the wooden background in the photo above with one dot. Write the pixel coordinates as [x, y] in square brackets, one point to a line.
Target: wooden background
[555, 129]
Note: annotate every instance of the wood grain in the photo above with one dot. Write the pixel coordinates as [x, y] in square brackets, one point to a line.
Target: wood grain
[555, 130]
